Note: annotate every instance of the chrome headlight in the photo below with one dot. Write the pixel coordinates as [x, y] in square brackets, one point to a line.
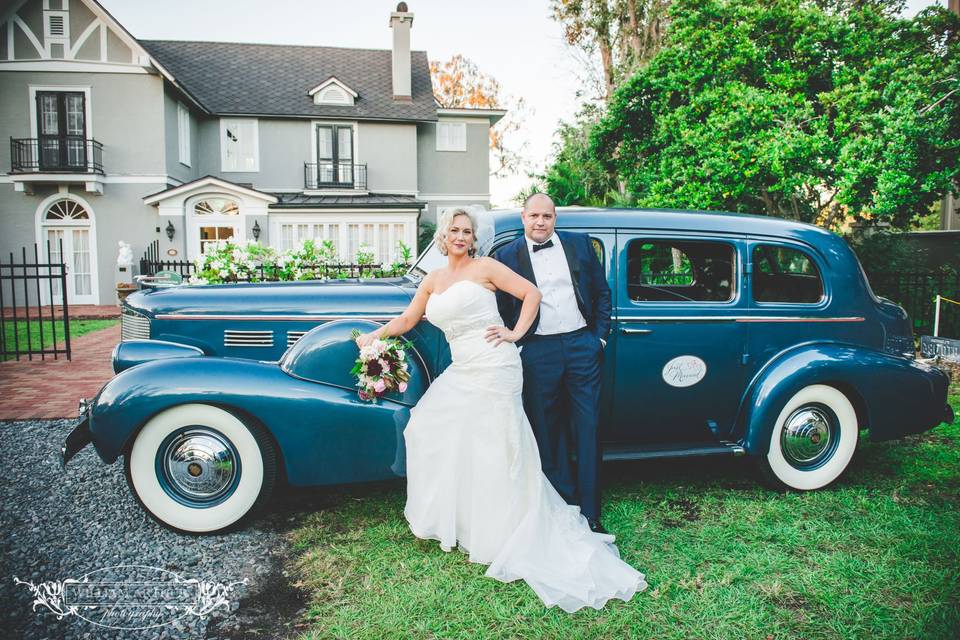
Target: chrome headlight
[133, 325]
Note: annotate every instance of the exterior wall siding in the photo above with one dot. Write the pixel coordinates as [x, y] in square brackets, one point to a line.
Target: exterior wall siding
[390, 153]
[454, 171]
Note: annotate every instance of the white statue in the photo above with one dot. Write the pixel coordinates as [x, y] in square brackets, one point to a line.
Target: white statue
[125, 257]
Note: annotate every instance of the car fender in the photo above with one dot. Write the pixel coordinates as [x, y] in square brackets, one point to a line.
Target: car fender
[893, 396]
[324, 433]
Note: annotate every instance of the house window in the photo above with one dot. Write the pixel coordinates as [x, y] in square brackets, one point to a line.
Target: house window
[213, 234]
[451, 136]
[294, 234]
[61, 130]
[334, 166]
[183, 133]
[239, 145]
[216, 206]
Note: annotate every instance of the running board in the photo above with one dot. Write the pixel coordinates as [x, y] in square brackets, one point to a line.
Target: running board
[673, 450]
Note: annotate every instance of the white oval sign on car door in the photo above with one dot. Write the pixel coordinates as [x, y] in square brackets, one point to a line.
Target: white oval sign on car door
[684, 371]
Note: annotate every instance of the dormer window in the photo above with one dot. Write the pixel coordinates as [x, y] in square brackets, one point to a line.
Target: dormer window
[333, 92]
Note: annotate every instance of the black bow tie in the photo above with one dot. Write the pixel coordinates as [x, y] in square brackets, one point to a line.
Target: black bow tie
[545, 245]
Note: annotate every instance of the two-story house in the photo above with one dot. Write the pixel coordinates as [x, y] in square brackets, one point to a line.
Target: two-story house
[112, 138]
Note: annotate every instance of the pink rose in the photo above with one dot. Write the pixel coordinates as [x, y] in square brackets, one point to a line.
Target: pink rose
[402, 386]
[380, 386]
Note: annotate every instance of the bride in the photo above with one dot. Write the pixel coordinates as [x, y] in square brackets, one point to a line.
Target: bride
[473, 469]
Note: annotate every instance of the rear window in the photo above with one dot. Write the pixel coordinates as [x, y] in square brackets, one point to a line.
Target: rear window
[663, 270]
[784, 274]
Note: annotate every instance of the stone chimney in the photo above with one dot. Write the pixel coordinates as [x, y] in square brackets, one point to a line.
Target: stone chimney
[401, 21]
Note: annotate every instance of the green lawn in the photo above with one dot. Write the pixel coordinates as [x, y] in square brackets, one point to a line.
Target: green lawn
[18, 330]
[874, 556]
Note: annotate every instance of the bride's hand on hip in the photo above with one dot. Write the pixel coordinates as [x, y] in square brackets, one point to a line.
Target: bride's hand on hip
[497, 334]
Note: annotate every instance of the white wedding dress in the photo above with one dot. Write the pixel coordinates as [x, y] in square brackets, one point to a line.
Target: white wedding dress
[473, 470]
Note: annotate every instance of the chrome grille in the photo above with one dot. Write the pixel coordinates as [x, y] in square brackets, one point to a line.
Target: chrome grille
[133, 325]
[239, 338]
[293, 336]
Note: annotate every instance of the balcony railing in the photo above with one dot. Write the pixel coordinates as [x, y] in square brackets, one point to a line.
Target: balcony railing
[334, 175]
[60, 154]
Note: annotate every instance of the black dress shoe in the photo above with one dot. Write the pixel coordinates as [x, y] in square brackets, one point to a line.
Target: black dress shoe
[596, 527]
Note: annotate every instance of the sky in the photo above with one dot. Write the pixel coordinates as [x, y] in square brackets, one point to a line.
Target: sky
[515, 41]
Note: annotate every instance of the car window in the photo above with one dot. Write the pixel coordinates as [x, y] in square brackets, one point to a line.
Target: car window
[665, 270]
[785, 274]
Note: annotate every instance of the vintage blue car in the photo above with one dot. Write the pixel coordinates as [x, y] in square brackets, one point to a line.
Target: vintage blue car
[732, 335]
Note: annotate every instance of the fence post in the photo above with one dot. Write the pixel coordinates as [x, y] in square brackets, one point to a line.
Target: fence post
[936, 318]
[66, 310]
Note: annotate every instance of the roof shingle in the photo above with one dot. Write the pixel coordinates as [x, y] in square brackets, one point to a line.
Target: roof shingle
[230, 78]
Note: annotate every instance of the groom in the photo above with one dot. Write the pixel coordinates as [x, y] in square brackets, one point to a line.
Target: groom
[563, 349]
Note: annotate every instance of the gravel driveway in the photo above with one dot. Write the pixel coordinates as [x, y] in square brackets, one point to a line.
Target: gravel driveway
[57, 525]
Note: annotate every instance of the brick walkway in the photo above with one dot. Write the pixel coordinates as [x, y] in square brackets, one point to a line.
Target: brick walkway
[51, 388]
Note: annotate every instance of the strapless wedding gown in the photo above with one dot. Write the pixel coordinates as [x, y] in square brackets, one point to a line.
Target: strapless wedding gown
[473, 470]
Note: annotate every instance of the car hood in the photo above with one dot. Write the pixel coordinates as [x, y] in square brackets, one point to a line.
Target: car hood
[310, 297]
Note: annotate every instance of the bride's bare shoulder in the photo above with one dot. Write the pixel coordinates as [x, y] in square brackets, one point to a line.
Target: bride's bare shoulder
[430, 280]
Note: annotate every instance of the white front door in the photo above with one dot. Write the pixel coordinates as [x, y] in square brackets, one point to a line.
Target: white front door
[80, 268]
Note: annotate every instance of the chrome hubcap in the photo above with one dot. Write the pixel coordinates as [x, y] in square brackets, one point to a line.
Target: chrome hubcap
[807, 437]
[199, 464]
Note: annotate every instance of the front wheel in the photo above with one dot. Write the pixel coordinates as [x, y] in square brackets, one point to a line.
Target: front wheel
[812, 441]
[197, 468]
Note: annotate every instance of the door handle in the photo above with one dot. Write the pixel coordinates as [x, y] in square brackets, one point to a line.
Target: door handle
[625, 330]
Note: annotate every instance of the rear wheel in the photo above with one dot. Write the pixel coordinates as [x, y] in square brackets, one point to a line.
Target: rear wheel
[812, 441]
[197, 468]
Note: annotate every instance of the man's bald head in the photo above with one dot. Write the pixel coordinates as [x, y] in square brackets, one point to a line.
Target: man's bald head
[540, 201]
[539, 217]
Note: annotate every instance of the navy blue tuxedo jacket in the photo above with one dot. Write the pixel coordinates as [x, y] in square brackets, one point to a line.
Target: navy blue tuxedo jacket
[586, 274]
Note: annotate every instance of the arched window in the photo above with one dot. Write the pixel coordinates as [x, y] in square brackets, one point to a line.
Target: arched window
[66, 211]
[216, 206]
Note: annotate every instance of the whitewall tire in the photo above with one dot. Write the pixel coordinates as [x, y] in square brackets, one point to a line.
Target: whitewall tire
[198, 468]
[813, 439]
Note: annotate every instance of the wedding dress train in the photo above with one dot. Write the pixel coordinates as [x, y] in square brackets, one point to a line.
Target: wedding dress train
[473, 470]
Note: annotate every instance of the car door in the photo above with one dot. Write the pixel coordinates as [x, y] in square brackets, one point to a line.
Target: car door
[792, 300]
[678, 342]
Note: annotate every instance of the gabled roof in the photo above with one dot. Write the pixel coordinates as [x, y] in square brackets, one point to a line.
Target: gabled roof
[230, 78]
[329, 81]
[205, 182]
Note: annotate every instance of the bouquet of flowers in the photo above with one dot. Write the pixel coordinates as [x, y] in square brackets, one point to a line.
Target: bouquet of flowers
[380, 368]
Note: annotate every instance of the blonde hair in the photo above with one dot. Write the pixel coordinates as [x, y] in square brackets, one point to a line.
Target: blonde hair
[443, 226]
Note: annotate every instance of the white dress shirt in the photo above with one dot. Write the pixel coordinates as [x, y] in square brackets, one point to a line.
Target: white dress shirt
[559, 312]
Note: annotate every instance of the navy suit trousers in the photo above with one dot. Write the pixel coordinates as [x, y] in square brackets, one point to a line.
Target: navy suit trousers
[561, 395]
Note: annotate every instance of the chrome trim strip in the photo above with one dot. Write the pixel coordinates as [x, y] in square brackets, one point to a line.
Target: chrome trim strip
[737, 319]
[799, 319]
[255, 318]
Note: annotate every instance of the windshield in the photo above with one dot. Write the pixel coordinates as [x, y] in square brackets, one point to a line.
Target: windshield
[429, 260]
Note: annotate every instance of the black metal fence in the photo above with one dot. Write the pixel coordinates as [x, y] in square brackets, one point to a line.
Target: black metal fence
[151, 263]
[27, 327]
[916, 292]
